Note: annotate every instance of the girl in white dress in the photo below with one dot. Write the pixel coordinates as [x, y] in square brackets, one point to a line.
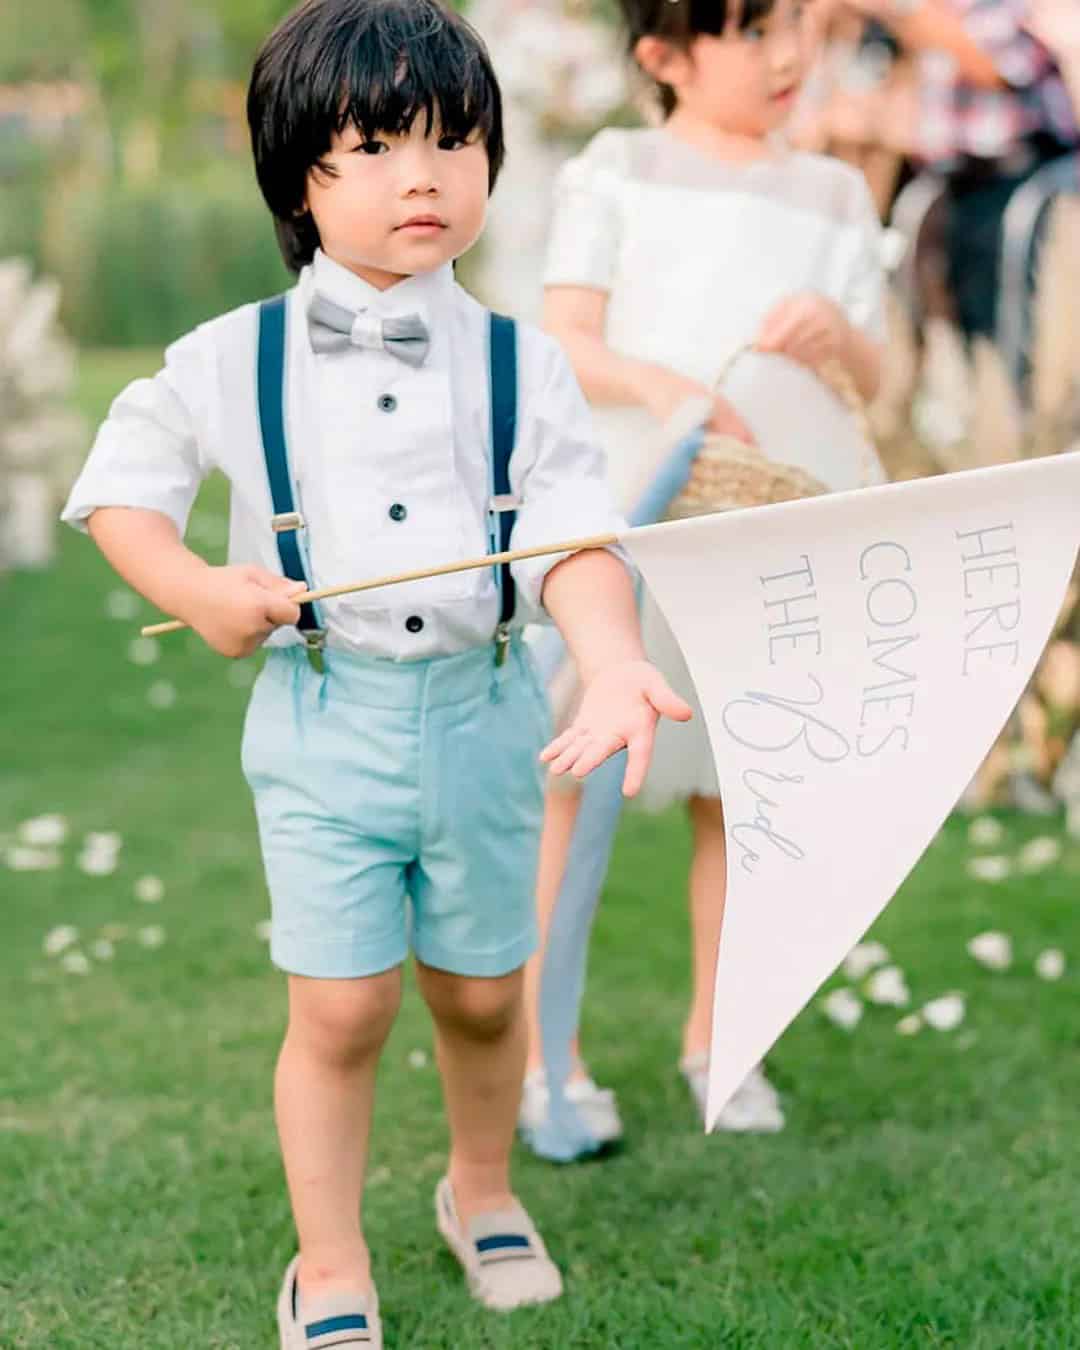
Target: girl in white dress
[672, 247]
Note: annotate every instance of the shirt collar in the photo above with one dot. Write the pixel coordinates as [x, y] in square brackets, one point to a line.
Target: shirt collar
[426, 293]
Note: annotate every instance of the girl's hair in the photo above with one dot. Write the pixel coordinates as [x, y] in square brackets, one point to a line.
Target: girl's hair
[681, 21]
[377, 64]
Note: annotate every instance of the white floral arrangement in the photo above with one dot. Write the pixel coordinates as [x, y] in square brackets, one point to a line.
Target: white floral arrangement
[567, 69]
[41, 438]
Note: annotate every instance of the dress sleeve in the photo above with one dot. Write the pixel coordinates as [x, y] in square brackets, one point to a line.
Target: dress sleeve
[150, 451]
[863, 295]
[558, 471]
[586, 224]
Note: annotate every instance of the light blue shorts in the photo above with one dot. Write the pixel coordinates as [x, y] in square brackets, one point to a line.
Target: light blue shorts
[384, 782]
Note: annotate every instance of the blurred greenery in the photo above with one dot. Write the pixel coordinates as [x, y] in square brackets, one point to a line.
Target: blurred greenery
[124, 164]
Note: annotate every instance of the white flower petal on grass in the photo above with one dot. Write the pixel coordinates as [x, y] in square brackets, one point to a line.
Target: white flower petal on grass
[24, 859]
[75, 963]
[418, 1059]
[262, 930]
[122, 605]
[910, 1025]
[887, 988]
[58, 940]
[102, 841]
[102, 950]
[989, 868]
[843, 1008]
[985, 832]
[100, 864]
[1040, 853]
[150, 890]
[162, 695]
[1050, 964]
[43, 831]
[992, 950]
[945, 1013]
[863, 959]
[152, 937]
[144, 651]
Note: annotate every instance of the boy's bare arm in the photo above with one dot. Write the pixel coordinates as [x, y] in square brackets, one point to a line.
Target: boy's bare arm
[233, 608]
[591, 598]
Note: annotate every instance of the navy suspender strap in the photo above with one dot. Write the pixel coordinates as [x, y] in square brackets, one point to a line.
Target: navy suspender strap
[504, 401]
[287, 521]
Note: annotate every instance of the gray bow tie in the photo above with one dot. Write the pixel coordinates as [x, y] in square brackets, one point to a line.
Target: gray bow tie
[334, 328]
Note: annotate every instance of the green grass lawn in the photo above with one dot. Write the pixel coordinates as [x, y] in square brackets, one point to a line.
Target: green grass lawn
[924, 1193]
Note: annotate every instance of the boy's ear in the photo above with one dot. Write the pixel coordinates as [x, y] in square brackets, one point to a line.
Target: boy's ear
[662, 60]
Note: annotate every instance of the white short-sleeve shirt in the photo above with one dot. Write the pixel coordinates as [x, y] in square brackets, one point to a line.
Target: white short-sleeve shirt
[391, 463]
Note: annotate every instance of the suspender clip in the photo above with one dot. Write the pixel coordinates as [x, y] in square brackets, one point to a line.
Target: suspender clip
[502, 643]
[286, 522]
[315, 642]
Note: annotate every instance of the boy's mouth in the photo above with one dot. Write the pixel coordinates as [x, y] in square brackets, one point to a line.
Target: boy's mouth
[423, 224]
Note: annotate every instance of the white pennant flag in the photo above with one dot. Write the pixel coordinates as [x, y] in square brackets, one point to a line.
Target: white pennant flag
[855, 655]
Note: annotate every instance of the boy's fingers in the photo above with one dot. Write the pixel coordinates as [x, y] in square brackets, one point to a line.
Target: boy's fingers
[666, 701]
[595, 753]
[558, 745]
[281, 612]
[638, 754]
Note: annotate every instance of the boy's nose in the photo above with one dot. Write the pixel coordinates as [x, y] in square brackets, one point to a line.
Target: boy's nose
[419, 178]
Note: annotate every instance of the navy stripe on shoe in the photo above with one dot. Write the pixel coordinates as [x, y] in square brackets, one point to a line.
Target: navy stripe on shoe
[349, 1322]
[500, 1242]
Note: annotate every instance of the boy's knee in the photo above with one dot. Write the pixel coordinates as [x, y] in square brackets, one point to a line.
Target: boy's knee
[483, 1008]
[344, 1021]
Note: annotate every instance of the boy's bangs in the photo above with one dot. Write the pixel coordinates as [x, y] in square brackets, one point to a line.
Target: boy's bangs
[408, 70]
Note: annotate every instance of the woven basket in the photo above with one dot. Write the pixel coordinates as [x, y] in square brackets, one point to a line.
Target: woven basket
[728, 474]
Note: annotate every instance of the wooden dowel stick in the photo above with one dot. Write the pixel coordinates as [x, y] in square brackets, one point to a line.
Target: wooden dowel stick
[490, 560]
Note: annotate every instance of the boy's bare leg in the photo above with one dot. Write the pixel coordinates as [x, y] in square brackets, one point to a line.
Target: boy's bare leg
[324, 1091]
[480, 1044]
[708, 890]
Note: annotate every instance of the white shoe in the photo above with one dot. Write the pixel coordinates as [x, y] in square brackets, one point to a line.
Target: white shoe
[754, 1109]
[344, 1320]
[504, 1258]
[597, 1106]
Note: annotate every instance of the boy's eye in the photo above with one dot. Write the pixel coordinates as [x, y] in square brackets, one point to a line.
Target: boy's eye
[371, 148]
[452, 143]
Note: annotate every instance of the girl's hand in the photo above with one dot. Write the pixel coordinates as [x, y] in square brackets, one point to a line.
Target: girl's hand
[235, 609]
[621, 707]
[807, 328]
[665, 391]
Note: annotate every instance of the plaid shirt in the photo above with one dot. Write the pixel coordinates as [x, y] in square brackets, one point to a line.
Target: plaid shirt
[960, 120]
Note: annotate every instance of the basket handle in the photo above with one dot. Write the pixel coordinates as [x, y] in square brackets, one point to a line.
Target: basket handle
[835, 377]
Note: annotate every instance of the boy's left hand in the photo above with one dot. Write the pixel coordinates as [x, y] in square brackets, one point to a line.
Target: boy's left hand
[807, 328]
[620, 709]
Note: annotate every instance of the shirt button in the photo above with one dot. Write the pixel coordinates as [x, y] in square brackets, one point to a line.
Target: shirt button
[398, 512]
[414, 623]
[387, 403]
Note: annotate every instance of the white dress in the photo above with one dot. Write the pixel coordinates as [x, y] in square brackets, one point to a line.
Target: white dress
[694, 252]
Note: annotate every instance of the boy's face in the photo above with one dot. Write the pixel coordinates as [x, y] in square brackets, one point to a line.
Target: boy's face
[401, 203]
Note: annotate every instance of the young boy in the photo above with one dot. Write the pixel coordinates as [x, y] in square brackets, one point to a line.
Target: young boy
[391, 744]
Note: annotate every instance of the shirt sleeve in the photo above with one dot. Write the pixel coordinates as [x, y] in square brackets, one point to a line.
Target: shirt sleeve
[864, 286]
[150, 451]
[586, 223]
[558, 472]
[1001, 29]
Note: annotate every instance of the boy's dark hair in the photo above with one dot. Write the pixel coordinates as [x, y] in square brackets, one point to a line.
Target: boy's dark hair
[681, 21]
[375, 63]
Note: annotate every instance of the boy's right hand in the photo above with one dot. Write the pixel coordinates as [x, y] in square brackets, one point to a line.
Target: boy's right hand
[235, 609]
[665, 391]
